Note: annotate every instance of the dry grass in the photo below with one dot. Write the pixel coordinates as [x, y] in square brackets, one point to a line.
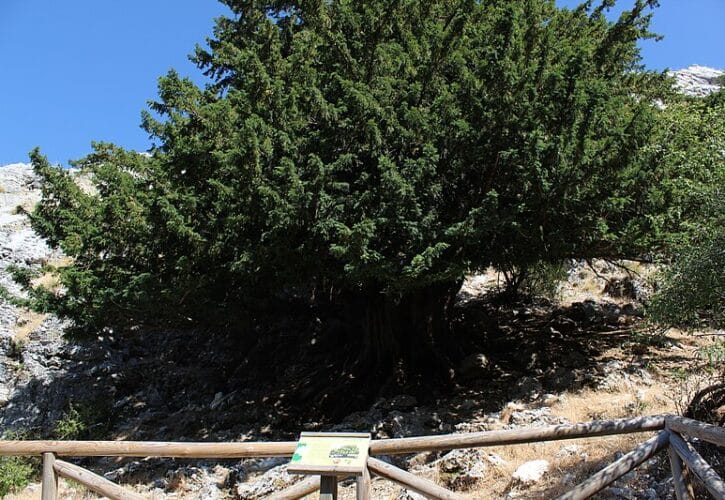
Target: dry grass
[67, 490]
[28, 321]
[49, 280]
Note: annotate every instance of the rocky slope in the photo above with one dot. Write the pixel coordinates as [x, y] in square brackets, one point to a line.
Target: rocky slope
[698, 81]
[24, 337]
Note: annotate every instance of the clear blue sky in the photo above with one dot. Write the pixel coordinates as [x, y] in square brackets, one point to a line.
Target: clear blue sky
[81, 70]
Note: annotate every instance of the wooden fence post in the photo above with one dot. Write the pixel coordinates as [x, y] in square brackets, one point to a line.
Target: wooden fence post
[363, 486]
[698, 466]
[50, 478]
[683, 488]
[328, 488]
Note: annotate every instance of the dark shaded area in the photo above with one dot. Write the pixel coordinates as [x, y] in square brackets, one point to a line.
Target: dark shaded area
[298, 374]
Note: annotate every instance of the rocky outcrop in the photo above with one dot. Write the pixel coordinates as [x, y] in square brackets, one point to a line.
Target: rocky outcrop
[698, 81]
[27, 341]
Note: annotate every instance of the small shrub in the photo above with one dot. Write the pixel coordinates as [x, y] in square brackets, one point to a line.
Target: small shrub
[10, 298]
[22, 275]
[678, 373]
[20, 210]
[88, 420]
[15, 474]
[15, 349]
[71, 426]
[542, 279]
[691, 291]
[713, 355]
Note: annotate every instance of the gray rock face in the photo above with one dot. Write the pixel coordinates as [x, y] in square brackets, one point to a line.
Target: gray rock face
[19, 245]
[29, 351]
[699, 81]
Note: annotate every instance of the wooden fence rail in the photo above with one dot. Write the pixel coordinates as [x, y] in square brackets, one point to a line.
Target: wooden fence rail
[148, 449]
[94, 482]
[713, 483]
[683, 457]
[516, 436]
[399, 446]
[627, 463]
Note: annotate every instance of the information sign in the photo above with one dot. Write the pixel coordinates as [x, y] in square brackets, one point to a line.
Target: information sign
[330, 453]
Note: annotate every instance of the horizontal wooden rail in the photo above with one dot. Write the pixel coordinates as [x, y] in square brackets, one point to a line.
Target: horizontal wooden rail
[714, 483]
[148, 449]
[410, 481]
[287, 448]
[94, 482]
[612, 472]
[695, 428]
[298, 490]
[516, 436]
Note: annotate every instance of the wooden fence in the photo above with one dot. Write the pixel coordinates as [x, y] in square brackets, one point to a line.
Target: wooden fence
[685, 461]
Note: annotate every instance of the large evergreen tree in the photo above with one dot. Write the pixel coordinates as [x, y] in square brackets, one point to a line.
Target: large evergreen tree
[368, 153]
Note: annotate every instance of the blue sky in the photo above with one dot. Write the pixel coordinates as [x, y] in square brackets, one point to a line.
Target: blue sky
[82, 70]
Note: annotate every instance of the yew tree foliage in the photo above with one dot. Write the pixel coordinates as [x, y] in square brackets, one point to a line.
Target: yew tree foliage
[368, 152]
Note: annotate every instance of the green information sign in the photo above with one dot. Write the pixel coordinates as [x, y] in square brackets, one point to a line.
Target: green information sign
[330, 453]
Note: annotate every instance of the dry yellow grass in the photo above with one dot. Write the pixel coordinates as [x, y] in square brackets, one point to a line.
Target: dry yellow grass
[67, 490]
[27, 323]
[49, 280]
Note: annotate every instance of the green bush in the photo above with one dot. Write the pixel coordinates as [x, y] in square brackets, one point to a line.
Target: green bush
[691, 290]
[71, 426]
[714, 356]
[15, 474]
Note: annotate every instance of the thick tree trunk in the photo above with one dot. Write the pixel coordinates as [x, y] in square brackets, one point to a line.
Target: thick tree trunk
[408, 336]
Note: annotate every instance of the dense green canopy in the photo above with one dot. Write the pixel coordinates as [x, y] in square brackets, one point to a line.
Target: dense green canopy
[370, 153]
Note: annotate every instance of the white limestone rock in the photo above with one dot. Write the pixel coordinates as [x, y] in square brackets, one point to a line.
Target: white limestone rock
[699, 81]
[531, 472]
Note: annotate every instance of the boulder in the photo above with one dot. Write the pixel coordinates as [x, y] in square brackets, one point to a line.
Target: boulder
[462, 469]
[531, 472]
